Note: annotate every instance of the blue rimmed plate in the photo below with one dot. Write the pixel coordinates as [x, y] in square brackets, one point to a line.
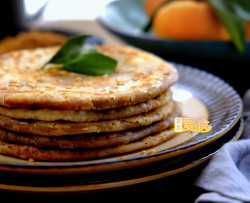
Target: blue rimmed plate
[125, 19]
[222, 102]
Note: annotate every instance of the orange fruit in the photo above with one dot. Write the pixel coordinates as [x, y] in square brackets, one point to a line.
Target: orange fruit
[151, 5]
[189, 20]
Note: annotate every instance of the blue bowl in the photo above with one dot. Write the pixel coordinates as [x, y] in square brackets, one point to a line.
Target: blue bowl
[125, 19]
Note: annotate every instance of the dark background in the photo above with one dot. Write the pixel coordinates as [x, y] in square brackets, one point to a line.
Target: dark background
[11, 17]
[236, 72]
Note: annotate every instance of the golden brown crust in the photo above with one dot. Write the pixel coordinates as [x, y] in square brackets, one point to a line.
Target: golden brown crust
[156, 137]
[90, 140]
[49, 114]
[139, 76]
[59, 128]
[86, 141]
[30, 152]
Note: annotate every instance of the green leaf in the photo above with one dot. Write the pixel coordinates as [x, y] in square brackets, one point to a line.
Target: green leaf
[71, 49]
[233, 13]
[78, 56]
[242, 8]
[94, 64]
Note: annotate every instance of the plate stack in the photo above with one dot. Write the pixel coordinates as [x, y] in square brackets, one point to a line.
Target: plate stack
[55, 115]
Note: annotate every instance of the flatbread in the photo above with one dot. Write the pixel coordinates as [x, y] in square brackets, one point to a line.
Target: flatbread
[89, 140]
[49, 114]
[59, 128]
[31, 152]
[84, 141]
[138, 77]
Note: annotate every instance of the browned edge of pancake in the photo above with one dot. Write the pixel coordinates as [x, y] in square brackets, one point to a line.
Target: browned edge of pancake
[89, 140]
[47, 128]
[38, 154]
[52, 114]
[31, 152]
[86, 141]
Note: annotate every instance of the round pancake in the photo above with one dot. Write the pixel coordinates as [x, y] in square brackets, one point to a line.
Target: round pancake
[86, 141]
[49, 114]
[59, 128]
[38, 154]
[89, 140]
[138, 77]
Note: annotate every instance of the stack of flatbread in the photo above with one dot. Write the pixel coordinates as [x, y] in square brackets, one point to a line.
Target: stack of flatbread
[55, 115]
